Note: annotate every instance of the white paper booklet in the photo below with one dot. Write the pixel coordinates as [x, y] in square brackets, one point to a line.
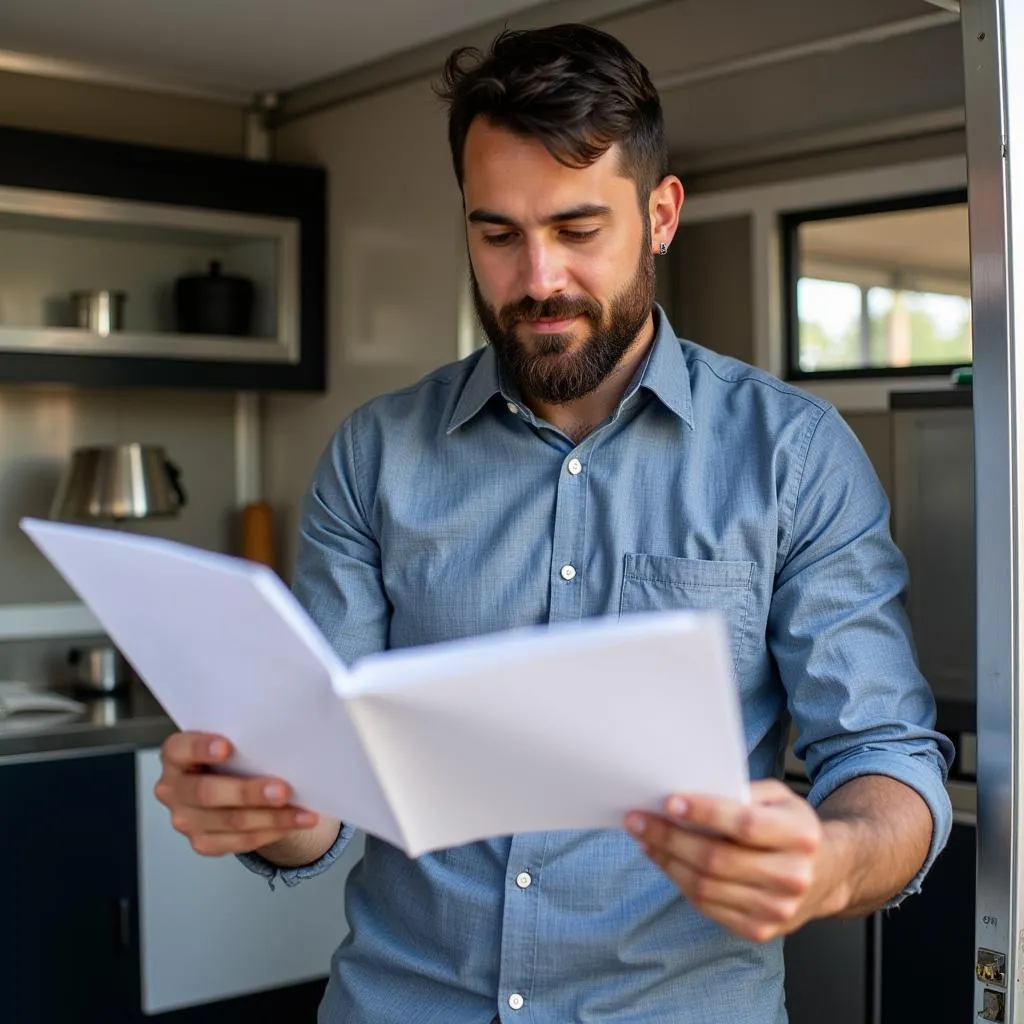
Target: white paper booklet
[553, 727]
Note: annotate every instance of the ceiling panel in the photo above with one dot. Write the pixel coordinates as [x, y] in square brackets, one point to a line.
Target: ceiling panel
[897, 78]
[245, 45]
[688, 34]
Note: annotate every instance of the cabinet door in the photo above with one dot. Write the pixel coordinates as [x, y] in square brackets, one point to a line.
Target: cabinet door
[928, 942]
[68, 950]
[828, 974]
[212, 930]
[933, 511]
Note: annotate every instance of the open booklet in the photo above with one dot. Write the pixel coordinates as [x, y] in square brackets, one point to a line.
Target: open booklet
[544, 728]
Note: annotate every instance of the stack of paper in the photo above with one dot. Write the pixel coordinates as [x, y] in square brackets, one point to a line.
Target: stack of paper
[553, 727]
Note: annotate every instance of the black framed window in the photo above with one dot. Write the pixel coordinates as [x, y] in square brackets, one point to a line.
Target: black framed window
[880, 289]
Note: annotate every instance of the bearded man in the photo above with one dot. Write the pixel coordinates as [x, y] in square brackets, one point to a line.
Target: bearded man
[588, 462]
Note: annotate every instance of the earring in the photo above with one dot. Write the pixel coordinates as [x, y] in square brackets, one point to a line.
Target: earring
[664, 248]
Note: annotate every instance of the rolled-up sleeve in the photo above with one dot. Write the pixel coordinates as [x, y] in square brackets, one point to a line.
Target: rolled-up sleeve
[292, 876]
[338, 582]
[840, 636]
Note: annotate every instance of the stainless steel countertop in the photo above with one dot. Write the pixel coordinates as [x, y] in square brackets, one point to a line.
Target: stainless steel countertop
[132, 721]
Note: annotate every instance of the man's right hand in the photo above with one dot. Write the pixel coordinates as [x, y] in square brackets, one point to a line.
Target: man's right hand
[222, 814]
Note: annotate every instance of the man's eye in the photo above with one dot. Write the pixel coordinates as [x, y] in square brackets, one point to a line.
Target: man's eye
[579, 236]
[502, 239]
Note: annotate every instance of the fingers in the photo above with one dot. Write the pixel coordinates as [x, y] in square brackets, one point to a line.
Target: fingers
[748, 927]
[231, 791]
[191, 821]
[751, 867]
[218, 844]
[774, 819]
[755, 912]
[782, 871]
[221, 813]
[188, 751]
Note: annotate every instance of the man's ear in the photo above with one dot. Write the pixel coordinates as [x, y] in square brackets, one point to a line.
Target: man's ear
[663, 207]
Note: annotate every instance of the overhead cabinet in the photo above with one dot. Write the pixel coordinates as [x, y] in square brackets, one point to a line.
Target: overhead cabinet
[130, 265]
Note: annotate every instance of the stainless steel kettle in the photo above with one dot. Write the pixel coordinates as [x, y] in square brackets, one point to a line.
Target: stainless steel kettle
[117, 482]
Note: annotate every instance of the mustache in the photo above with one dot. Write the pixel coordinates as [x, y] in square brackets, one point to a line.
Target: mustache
[556, 307]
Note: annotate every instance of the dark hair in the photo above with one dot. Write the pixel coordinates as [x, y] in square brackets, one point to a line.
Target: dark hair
[576, 89]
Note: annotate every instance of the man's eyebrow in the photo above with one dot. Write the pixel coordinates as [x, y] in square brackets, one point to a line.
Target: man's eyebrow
[580, 212]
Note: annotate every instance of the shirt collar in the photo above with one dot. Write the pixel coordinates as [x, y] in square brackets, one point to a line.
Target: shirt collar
[483, 384]
[665, 374]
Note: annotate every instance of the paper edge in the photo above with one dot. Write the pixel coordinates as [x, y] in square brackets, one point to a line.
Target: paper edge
[285, 602]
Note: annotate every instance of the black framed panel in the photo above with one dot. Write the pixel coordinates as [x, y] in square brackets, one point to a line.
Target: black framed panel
[116, 170]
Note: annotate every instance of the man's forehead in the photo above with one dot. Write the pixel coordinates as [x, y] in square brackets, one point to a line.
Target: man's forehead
[491, 149]
[517, 177]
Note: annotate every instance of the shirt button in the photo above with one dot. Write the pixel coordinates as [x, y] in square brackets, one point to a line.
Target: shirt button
[568, 572]
[575, 467]
[512, 407]
[516, 1001]
[523, 880]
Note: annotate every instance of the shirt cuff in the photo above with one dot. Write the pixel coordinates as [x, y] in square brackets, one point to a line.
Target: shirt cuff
[925, 773]
[292, 876]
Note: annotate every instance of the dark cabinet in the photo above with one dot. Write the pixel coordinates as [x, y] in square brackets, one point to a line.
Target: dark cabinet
[68, 950]
[913, 963]
[828, 972]
[99, 241]
[927, 955]
[69, 926]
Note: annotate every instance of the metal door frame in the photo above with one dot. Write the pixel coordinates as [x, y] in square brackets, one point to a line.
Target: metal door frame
[993, 50]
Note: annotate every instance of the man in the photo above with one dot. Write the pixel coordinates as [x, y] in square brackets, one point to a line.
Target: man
[588, 462]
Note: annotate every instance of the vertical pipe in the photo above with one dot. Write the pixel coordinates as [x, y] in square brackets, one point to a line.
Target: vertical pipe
[249, 405]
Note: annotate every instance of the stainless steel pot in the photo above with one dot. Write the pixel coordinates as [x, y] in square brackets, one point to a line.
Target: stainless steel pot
[100, 668]
[116, 482]
[99, 311]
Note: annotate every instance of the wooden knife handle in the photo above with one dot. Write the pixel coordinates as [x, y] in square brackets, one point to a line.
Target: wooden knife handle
[258, 534]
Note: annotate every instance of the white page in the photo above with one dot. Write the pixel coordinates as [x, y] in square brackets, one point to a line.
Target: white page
[568, 727]
[548, 728]
[225, 648]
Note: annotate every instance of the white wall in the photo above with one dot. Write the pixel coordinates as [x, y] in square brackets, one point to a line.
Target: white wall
[396, 270]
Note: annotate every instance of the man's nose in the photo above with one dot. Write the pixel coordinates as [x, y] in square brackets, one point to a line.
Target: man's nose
[543, 271]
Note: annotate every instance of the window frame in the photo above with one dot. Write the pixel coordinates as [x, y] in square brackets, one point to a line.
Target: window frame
[789, 238]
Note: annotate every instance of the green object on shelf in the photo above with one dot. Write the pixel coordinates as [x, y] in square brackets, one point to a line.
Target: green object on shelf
[962, 376]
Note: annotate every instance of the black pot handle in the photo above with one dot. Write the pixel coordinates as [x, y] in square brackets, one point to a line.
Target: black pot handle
[174, 473]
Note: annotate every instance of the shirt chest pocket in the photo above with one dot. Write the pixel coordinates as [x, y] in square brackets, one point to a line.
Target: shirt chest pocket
[652, 583]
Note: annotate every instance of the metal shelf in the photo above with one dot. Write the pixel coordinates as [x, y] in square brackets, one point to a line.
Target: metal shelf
[162, 345]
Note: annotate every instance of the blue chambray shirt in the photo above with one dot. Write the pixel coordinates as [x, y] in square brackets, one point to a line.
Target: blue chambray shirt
[448, 509]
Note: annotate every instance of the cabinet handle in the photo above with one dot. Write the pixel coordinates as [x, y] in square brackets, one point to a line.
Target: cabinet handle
[124, 922]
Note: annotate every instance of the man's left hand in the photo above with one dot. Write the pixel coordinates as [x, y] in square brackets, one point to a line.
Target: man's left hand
[762, 869]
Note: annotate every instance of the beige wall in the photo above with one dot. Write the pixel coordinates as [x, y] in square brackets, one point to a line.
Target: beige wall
[396, 269]
[712, 297]
[39, 427]
[127, 115]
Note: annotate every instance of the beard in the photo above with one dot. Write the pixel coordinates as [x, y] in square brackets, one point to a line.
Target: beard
[547, 370]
